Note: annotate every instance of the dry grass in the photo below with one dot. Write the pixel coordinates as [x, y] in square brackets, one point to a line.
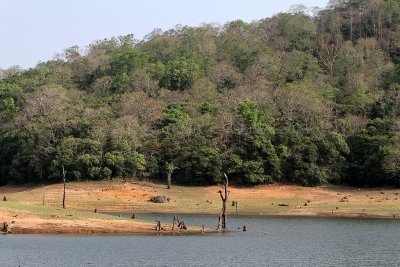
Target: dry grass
[131, 197]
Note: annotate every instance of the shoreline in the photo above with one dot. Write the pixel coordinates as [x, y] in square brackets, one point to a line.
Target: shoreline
[125, 227]
[37, 209]
[44, 226]
[23, 224]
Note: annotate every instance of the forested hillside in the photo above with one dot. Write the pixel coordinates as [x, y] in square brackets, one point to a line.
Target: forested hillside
[297, 98]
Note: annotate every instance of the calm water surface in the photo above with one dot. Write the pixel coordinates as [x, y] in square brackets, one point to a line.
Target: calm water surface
[290, 241]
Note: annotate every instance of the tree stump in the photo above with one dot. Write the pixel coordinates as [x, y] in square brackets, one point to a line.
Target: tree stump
[4, 198]
[159, 227]
[4, 227]
[133, 216]
[182, 225]
[95, 210]
[173, 222]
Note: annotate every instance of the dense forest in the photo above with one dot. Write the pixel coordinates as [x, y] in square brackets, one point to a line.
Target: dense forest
[302, 97]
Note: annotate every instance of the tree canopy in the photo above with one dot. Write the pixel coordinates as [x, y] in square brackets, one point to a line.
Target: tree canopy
[295, 98]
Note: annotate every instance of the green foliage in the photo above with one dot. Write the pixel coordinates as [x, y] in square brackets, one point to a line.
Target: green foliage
[298, 65]
[247, 171]
[256, 160]
[241, 54]
[303, 162]
[299, 29]
[11, 100]
[122, 64]
[174, 113]
[293, 98]
[180, 73]
[206, 107]
[374, 154]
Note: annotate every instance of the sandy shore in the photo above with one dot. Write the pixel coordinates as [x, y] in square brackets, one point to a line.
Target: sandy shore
[21, 223]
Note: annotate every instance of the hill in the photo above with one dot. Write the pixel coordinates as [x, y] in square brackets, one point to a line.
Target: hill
[294, 98]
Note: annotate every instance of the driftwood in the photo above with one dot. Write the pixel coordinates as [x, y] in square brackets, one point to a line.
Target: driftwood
[283, 205]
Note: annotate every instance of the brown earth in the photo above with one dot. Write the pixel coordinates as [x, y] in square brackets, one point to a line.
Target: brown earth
[37, 209]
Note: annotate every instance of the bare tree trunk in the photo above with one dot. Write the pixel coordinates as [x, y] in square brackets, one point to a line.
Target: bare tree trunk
[219, 223]
[170, 167]
[169, 175]
[64, 179]
[224, 198]
[173, 222]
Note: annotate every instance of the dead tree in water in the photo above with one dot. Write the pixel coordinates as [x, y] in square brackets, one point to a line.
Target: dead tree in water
[64, 179]
[224, 197]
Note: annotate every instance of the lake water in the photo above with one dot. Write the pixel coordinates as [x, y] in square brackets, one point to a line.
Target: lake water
[269, 241]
